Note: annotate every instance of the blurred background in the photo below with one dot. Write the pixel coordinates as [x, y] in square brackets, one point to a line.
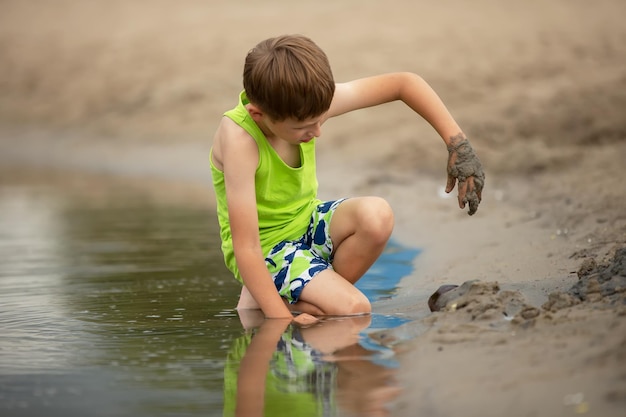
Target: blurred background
[532, 83]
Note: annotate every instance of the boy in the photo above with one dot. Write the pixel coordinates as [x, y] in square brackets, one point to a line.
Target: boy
[291, 251]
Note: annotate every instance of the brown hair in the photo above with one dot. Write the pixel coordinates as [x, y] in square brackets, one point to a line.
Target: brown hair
[289, 77]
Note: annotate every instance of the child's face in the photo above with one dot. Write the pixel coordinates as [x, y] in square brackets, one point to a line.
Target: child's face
[296, 131]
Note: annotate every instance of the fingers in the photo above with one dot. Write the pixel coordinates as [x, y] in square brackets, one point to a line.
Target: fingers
[462, 193]
[464, 166]
[480, 182]
[450, 184]
[470, 192]
[473, 196]
[473, 203]
[452, 172]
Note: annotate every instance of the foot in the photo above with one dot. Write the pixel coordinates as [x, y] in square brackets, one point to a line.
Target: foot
[246, 301]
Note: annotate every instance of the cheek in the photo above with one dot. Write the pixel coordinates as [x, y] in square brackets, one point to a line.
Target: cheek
[298, 134]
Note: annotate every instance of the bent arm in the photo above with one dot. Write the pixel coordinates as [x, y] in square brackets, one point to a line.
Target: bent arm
[463, 163]
[405, 86]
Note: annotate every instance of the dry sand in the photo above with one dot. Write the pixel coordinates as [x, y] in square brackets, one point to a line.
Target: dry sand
[136, 89]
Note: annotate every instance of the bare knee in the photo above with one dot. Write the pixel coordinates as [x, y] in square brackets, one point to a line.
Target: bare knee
[377, 219]
[358, 304]
[355, 304]
[334, 295]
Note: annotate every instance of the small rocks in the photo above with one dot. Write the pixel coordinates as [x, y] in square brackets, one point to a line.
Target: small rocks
[482, 301]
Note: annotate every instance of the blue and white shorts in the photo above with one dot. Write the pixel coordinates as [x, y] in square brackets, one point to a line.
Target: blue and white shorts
[294, 263]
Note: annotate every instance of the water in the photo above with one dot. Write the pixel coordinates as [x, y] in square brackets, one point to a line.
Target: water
[116, 303]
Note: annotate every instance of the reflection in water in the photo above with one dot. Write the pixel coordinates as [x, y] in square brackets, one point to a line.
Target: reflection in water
[330, 369]
[114, 303]
[278, 369]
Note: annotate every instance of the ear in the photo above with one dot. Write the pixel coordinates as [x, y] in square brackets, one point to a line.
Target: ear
[255, 112]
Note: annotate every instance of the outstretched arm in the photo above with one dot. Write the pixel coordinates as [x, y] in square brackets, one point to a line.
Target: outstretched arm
[463, 164]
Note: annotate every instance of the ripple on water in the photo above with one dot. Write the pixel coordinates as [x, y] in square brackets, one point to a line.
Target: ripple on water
[108, 297]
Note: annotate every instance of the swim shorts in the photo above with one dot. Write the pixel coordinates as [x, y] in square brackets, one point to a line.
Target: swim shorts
[294, 263]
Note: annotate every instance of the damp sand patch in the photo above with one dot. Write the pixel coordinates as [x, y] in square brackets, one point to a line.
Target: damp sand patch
[471, 311]
[495, 354]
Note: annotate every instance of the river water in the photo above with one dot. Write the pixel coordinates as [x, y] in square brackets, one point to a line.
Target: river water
[114, 302]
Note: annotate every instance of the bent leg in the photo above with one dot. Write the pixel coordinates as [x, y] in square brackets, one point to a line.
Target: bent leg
[333, 295]
[359, 229]
[247, 302]
[304, 307]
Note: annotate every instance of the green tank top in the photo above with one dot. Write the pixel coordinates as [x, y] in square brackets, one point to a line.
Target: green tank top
[285, 196]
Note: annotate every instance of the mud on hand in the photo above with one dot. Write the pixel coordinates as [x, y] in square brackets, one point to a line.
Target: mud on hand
[464, 166]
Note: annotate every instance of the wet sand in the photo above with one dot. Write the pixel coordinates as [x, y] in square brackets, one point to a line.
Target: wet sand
[135, 91]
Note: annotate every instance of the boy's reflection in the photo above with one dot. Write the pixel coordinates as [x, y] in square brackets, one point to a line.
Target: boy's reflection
[278, 369]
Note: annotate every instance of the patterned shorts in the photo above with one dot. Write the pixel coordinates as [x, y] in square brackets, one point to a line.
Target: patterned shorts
[294, 263]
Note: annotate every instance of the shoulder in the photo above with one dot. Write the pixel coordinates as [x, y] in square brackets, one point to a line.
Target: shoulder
[231, 140]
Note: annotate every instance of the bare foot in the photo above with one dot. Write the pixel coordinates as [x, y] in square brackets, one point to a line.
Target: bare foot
[246, 301]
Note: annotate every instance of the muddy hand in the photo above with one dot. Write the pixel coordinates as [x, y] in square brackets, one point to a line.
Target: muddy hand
[464, 166]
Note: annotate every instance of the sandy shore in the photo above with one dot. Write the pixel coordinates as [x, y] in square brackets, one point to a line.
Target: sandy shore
[126, 89]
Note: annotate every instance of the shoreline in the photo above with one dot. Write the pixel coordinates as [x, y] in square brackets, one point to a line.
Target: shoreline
[511, 226]
[515, 243]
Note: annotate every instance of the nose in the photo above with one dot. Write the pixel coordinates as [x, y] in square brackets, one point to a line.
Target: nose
[316, 131]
